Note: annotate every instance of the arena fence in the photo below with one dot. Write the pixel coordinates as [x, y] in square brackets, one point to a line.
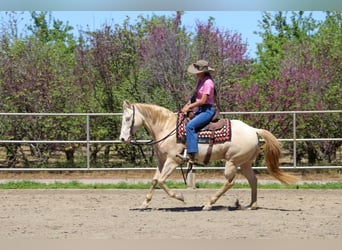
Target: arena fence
[89, 141]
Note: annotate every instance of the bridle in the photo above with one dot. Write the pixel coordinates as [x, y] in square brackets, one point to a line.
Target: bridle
[150, 142]
[132, 125]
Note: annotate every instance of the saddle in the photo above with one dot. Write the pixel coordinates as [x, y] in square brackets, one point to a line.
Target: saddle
[217, 131]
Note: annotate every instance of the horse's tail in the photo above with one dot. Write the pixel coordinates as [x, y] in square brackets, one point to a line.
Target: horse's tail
[272, 151]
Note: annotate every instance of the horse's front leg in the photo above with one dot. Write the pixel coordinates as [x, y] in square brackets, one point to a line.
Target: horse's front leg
[154, 183]
[148, 197]
[161, 158]
[169, 167]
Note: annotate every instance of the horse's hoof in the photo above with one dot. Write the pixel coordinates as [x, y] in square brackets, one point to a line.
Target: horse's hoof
[180, 197]
[207, 208]
[143, 206]
[253, 207]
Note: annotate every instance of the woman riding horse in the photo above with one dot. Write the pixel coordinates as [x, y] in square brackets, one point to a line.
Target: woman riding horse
[203, 103]
[241, 151]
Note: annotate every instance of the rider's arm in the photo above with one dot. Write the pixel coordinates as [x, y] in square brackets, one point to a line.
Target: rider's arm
[198, 103]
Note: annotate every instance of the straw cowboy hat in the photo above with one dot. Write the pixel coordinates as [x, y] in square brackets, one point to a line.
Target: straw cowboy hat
[199, 67]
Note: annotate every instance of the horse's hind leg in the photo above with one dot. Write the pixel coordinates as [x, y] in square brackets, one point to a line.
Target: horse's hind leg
[169, 167]
[229, 173]
[248, 172]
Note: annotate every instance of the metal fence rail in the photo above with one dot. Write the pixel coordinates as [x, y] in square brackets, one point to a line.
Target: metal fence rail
[88, 140]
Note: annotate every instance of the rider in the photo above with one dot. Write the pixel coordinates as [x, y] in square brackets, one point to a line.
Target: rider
[203, 101]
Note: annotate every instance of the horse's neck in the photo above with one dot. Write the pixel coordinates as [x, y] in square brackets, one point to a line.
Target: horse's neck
[157, 120]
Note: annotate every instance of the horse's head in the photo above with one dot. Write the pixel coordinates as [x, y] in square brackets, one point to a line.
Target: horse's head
[131, 121]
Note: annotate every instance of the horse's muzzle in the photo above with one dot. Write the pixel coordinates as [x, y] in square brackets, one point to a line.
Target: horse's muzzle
[126, 141]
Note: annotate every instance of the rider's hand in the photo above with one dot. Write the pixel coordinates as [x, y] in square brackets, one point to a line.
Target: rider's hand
[185, 109]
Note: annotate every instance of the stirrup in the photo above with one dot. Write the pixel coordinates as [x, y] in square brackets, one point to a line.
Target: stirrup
[189, 161]
[186, 158]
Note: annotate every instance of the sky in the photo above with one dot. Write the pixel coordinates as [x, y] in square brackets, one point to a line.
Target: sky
[242, 22]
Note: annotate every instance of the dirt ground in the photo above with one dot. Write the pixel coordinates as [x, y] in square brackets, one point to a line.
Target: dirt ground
[114, 214]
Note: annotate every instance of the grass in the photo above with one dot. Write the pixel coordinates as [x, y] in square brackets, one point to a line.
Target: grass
[175, 185]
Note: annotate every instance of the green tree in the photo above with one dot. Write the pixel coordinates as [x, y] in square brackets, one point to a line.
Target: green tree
[328, 42]
[108, 71]
[37, 76]
[298, 70]
[277, 31]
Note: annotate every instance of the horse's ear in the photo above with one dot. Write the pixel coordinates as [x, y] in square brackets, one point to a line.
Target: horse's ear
[126, 104]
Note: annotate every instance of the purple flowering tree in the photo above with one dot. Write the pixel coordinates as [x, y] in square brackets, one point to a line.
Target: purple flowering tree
[165, 53]
[227, 53]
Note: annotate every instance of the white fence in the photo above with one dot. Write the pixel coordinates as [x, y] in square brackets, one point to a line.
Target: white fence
[88, 140]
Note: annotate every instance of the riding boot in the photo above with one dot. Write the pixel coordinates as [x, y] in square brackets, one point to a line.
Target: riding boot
[191, 157]
[188, 157]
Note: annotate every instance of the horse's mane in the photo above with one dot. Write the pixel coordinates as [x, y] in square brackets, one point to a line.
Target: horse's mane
[156, 114]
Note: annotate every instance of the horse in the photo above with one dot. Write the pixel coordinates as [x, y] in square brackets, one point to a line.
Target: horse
[241, 151]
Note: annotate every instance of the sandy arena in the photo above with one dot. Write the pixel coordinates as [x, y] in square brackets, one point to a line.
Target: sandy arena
[114, 214]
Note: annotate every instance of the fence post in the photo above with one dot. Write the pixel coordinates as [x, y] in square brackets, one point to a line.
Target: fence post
[191, 180]
[294, 141]
[88, 141]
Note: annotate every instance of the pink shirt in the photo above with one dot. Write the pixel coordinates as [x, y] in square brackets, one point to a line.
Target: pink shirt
[205, 87]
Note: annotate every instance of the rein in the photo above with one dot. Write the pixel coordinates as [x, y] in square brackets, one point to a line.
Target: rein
[151, 142]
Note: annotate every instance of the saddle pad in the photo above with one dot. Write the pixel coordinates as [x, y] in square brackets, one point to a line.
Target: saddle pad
[219, 135]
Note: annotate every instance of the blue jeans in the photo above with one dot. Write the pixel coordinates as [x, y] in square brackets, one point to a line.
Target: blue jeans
[202, 118]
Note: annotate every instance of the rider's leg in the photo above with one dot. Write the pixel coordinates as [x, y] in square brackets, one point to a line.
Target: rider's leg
[201, 119]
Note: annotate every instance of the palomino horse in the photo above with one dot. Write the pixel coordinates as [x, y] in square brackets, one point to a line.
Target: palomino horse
[241, 151]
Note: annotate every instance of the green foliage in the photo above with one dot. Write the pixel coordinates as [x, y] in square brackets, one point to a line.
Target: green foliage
[277, 31]
[37, 76]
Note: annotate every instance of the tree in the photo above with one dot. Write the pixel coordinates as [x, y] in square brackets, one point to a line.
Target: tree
[108, 70]
[328, 44]
[37, 76]
[226, 51]
[279, 30]
[304, 76]
[165, 52]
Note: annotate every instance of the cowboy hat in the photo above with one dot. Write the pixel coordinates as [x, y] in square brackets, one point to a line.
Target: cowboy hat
[199, 67]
